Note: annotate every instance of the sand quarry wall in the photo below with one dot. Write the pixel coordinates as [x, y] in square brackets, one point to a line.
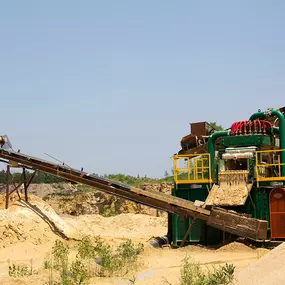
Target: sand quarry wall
[69, 201]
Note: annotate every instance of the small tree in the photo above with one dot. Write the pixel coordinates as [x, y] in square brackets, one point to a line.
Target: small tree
[215, 126]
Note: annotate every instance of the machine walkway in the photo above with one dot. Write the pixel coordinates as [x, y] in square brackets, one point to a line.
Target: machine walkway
[227, 221]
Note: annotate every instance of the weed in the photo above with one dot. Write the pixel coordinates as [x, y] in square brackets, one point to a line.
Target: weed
[74, 274]
[48, 261]
[133, 280]
[128, 252]
[126, 255]
[78, 272]
[109, 264]
[19, 270]
[86, 249]
[60, 255]
[110, 261]
[192, 273]
[222, 275]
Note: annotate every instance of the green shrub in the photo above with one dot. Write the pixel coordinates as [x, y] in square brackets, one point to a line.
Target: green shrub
[86, 248]
[60, 254]
[222, 275]
[48, 261]
[78, 272]
[81, 269]
[128, 252]
[73, 274]
[192, 274]
[111, 261]
[19, 270]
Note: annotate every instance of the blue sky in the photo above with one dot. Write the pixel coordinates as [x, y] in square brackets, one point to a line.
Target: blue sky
[112, 86]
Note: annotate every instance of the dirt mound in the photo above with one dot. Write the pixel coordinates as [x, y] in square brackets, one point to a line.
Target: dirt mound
[120, 226]
[34, 222]
[234, 246]
[37, 223]
[269, 269]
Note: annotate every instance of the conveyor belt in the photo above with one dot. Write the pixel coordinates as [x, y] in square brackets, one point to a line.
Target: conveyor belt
[251, 228]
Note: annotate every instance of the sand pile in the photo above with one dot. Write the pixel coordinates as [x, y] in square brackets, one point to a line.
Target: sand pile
[234, 246]
[120, 226]
[34, 222]
[269, 269]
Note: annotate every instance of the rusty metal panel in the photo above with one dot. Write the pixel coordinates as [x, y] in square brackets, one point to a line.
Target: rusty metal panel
[198, 129]
[236, 223]
[277, 212]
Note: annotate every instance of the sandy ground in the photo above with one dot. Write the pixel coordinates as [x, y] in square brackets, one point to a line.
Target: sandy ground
[28, 231]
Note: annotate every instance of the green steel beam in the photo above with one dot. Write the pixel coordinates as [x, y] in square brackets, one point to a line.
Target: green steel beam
[211, 147]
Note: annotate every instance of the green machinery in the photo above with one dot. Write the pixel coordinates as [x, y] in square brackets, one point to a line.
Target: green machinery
[241, 169]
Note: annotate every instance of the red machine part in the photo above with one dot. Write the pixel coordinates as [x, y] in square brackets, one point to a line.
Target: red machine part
[249, 127]
[277, 212]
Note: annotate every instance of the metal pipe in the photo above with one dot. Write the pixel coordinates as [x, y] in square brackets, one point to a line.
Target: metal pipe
[211, 147]
[249, 127]
[234, 127]
[279, 115]
[244, 125]
[238, 127]
[259, 126]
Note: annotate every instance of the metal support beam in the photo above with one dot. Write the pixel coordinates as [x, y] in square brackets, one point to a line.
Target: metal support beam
[25, 184]
[188, 231]
[30, 180]
[16, 187]
[7, 185]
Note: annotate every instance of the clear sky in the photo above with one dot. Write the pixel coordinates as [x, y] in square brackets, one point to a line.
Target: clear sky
[112, 86]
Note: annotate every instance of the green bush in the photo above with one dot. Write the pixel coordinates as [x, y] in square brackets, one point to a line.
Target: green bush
[19, 270]
[78, 272]
[192, 274]
[110, 261]
[86, 249]
[70, 274]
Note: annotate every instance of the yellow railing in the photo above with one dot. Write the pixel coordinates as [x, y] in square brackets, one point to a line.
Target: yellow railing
[268, 165]
[192, 168]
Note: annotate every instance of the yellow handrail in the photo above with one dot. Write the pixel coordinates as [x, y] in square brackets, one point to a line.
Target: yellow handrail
[197, 169]
[270, 171]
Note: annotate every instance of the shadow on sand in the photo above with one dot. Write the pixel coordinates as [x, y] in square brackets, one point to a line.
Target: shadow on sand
[46, 219]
